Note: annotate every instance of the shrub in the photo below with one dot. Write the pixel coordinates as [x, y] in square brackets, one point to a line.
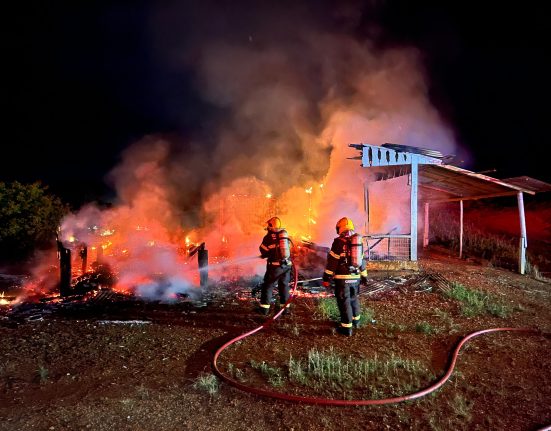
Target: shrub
[29, 218]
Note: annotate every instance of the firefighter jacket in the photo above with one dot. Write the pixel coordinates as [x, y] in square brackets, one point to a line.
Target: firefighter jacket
[270, 249]
[338, 262]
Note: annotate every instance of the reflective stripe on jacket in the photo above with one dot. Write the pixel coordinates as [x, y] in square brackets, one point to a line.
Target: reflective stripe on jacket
[269, 248]
[338, 265]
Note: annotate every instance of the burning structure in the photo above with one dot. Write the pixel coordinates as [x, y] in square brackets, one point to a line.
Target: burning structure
[136, 252]
[277, 145]
[141, 248]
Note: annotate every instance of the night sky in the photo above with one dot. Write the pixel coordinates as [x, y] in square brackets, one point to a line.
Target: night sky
[86, 79]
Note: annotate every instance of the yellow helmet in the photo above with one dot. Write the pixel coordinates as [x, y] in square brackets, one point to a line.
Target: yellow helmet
[343, 225]
[274, 223]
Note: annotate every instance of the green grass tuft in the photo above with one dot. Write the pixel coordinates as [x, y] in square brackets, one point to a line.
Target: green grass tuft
[474, 302]
[273, 374]
[42, 373]
[208, 383]
[424, 328]
[328, 309]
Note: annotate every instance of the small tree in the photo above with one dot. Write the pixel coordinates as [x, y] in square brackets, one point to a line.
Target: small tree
[28, 219]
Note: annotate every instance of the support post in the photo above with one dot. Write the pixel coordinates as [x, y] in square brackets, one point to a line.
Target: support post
[413, 207]
[523, 235]
[426, 226]
[99, 253]
[460, 229]
[64, 255]
[84, 257]
[366, 209]
[203, 262]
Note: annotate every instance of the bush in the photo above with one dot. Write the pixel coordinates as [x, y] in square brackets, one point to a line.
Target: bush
[29, 218]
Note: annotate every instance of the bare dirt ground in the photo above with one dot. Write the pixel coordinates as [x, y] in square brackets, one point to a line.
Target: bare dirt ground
[92, 368]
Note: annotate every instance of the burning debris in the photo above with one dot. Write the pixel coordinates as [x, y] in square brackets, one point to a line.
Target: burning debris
[6, 299]
[104, 284]
[378, 285]
[101, 276]
[185, 279]
[10, 288]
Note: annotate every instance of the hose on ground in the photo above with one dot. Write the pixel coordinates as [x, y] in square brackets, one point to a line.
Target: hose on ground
[340, 402]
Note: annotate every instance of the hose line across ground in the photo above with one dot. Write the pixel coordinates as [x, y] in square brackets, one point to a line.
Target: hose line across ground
[339, 402]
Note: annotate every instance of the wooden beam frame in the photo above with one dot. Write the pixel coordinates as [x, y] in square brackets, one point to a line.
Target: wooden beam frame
[426, 226]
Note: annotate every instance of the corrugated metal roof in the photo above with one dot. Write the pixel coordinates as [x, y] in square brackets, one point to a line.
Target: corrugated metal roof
[449, 183]
[439, 181]
[529, 183]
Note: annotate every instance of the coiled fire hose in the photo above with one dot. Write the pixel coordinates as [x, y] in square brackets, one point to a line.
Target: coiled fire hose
[339, 402]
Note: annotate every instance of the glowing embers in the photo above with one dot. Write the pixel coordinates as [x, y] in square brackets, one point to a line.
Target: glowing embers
[6, 299]
[301, 292]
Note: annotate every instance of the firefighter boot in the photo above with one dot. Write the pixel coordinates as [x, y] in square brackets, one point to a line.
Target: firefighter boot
[263, 309]
[345, 330]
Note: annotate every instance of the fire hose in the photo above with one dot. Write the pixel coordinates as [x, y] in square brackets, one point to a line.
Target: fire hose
[340, 402]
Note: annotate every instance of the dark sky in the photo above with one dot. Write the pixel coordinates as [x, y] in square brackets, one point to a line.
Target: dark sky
[84, 79]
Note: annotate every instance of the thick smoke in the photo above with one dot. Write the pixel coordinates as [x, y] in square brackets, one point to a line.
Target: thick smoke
[292, 90]
[283, 92]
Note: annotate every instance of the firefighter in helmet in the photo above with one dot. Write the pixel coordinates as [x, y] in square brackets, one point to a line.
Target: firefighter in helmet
[275, 248]
[346, 266]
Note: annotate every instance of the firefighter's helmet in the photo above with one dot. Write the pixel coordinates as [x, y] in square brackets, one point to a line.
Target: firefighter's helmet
[343, 225]
[274, 223]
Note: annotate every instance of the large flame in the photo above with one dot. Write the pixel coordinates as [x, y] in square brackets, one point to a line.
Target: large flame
[290, 112]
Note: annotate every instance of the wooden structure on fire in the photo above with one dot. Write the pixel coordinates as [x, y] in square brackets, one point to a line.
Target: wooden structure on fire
[441, 182]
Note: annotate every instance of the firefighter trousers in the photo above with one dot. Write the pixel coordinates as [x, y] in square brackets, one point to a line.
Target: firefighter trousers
[280, 275]
[346, 292]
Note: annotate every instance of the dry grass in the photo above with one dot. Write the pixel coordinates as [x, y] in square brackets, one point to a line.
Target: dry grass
[498, 250]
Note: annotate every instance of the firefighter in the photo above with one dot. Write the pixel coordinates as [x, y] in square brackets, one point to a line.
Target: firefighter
[275, 248]
[346, 266]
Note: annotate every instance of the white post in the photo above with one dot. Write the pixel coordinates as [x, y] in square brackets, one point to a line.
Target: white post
[523, 236]
[460, 229]
[413, 207]
[366, 209]
[426, 226]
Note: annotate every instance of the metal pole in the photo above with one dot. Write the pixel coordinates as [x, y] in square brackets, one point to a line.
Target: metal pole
[523, 236]
[460, 229]
[426, 226]
[413, 208]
